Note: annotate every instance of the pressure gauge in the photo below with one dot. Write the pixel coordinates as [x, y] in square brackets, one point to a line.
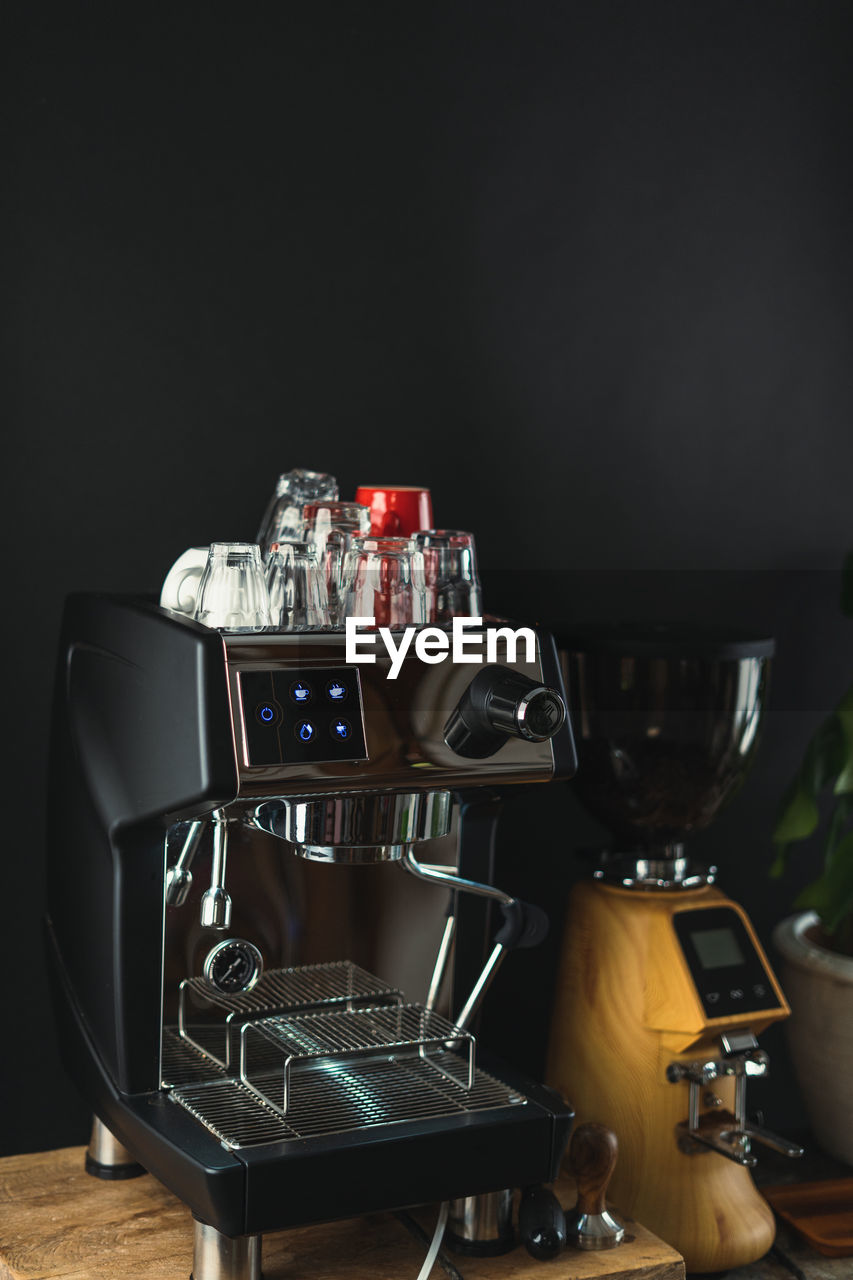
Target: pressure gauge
[233, 966]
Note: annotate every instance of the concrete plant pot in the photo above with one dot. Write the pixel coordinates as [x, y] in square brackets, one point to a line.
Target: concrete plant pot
[819, 987]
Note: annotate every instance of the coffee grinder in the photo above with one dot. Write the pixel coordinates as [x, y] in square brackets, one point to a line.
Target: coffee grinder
[663, 986]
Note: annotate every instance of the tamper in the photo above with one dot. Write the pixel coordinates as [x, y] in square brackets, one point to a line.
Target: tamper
[592, 1159]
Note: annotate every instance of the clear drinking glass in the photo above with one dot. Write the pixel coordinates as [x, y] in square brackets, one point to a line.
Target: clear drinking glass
[232, 594]
[383, 579]
[330, 528]
[297, 590]
[450, 567]
[282, 520]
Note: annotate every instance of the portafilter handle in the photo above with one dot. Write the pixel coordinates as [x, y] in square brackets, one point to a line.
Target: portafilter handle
[541, 1223]
[592, 1159]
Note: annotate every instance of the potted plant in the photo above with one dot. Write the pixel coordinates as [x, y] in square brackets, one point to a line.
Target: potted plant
[817, 944]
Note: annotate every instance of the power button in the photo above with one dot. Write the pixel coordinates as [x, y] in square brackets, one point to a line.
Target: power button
[268, 714]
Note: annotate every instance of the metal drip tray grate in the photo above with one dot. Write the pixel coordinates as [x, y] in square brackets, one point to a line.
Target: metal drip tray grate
[335, 1098]
[184, 1063]
[323, 1050]
[331, 1038]
[209, 1019]
[295, 988]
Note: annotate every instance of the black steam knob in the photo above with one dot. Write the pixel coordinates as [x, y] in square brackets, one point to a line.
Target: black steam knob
[500, 704]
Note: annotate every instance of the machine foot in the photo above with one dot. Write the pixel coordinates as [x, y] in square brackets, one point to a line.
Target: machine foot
[219, 1257]
[106, 1158]
[481, 1226]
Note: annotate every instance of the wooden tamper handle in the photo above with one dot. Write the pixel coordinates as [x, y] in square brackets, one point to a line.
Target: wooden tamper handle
[592, 1159]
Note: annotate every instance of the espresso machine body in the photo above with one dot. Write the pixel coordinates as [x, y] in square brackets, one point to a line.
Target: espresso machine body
[170, 738]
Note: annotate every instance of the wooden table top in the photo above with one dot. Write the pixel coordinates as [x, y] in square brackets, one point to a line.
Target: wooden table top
[56, 1221]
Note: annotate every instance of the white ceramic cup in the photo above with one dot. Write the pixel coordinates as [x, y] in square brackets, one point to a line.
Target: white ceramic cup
[180, 588]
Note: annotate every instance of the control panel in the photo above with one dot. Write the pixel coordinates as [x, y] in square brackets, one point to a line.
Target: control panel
[726, 969]
[305, 716]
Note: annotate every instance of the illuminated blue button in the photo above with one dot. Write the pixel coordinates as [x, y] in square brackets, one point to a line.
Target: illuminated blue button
[300, 692]
[305, 731]
[336, 691]
[340, 730]
[268, 713]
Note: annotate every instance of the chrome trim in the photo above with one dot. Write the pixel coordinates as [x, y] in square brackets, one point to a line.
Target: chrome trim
[482, 1219]
[105, 1148]
[667, 868]
[403, 720]
[594, 1230]
[179, 878]
[522, 709]
[360, 856]
[741, 1058]
[441, 960]
[219, 1257]
[361, 827]
[216, 902]
[438, 875]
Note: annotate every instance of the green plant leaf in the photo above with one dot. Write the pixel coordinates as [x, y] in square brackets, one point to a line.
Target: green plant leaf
[844, 712]
[780, 862]
[831, 895]
[846, 600]
[825, 756]
[798, 817]
[841, 814]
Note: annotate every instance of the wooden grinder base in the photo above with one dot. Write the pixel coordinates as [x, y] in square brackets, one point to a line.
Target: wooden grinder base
[57, 1221]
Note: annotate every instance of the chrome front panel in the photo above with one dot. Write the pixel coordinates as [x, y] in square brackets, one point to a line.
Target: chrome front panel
[404, 721]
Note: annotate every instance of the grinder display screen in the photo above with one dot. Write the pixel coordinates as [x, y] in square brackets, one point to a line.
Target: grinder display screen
[728, 973]
[717, 948]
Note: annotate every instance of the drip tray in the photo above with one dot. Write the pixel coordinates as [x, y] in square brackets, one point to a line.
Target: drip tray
[336, 1061]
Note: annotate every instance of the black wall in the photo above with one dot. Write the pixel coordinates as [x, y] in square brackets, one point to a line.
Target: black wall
[582, 268]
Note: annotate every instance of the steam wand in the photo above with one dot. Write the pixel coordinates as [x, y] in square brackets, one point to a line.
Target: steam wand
[179, 878]
[524, 926]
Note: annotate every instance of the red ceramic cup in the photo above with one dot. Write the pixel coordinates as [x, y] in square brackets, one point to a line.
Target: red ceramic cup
[396, 511]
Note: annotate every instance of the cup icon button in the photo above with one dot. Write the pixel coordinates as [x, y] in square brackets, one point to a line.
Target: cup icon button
[336, 691]
[305, 731]
[341, 730]
[300, 692]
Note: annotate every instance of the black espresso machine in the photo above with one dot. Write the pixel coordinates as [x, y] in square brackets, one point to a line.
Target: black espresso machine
[268, 1095]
